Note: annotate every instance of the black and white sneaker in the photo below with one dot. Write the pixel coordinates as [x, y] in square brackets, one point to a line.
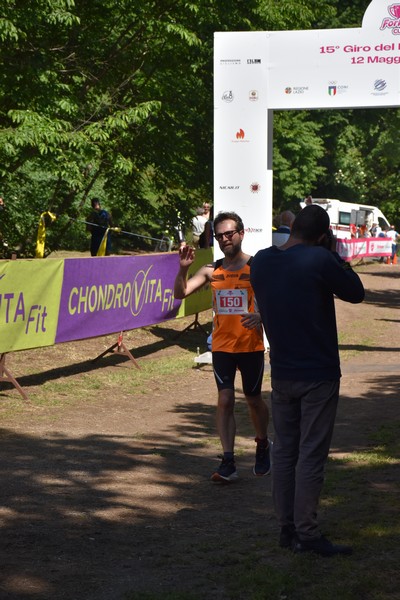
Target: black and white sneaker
[226, 472]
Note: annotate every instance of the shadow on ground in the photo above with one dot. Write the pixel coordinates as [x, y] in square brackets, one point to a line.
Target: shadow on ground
[91, 517]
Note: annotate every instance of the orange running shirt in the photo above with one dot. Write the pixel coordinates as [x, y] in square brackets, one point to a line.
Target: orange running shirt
[233, 296]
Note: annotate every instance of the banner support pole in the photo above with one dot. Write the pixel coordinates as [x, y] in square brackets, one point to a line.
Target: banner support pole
[5, 375]
[195, 325]
[119, 348]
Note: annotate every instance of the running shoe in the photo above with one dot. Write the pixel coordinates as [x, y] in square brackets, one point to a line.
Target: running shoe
[263, 459]
[226, 472]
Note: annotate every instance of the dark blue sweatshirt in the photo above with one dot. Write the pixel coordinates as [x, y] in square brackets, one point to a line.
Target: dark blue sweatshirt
[295, 291]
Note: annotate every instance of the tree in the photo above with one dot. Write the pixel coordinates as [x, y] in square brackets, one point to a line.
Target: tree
[88, 84]
[114, 99]
[109, 98]
[297, 154]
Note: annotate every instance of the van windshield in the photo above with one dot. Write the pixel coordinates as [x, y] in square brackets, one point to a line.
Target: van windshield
[383, 224]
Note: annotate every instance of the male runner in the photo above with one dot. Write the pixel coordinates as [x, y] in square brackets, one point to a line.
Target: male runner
[237, 339]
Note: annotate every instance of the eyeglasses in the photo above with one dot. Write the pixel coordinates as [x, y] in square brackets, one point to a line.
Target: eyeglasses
[228, 234]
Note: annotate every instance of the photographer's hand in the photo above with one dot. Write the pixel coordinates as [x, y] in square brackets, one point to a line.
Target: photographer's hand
[328, 241]
[332, 240]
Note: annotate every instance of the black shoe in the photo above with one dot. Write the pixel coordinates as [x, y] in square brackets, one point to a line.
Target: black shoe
[286, 536]
[226, 472]
[321, 546]
[262, 464]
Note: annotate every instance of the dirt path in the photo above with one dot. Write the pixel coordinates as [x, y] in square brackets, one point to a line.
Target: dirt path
[105, 497]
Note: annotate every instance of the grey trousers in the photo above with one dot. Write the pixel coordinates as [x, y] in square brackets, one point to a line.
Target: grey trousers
[303, 414]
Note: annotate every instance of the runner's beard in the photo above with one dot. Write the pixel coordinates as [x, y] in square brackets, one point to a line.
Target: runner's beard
[231, 251]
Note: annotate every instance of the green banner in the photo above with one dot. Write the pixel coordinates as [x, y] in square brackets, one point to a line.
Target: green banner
[201, 300]
[29, 303]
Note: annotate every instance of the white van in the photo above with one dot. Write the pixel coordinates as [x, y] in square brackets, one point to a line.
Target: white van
[344, 214]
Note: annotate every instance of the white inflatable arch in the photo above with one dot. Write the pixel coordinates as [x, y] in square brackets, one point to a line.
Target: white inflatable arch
[257, 72]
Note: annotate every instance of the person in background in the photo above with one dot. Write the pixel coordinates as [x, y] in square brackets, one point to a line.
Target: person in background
[295, 287]
[394, 236]
[207, 209]
[237, 339]
[364, 231]
[99, 221]
[376, 229]
[198, 224]
[207, 237]
[281, 235]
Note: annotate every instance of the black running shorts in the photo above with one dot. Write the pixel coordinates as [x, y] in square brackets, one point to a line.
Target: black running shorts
[250, 365]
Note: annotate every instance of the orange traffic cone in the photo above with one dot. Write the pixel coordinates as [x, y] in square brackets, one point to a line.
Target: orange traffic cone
[395, 259]
[388, 260]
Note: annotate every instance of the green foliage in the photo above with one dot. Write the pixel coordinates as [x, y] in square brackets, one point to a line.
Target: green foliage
[360, 156]
[286, 14]
[297, 151]
[88, 81]
[114, 99]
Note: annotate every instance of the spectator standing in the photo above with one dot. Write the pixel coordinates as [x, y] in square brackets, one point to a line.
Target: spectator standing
[295, 287]
[198, 225]
[207, 237]
[207, 210]
[353, 230]
[99, 221]
[376, 229]
[364, 231]
[394, 236]
[281, 235]
[237, 339]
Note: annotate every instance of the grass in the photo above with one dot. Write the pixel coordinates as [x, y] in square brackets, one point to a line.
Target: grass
[357, 512]
[360, 502]
[81, 377]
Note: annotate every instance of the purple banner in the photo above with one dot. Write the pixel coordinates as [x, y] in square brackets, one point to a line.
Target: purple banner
[108, 294]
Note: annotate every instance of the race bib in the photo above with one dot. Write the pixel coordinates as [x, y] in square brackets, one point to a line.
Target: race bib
[232, 302]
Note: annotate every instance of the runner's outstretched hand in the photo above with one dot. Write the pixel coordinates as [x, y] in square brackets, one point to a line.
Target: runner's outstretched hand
[186, 256]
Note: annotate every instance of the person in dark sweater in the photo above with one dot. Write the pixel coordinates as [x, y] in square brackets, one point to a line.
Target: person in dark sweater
[295, 286]
[99, 221]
